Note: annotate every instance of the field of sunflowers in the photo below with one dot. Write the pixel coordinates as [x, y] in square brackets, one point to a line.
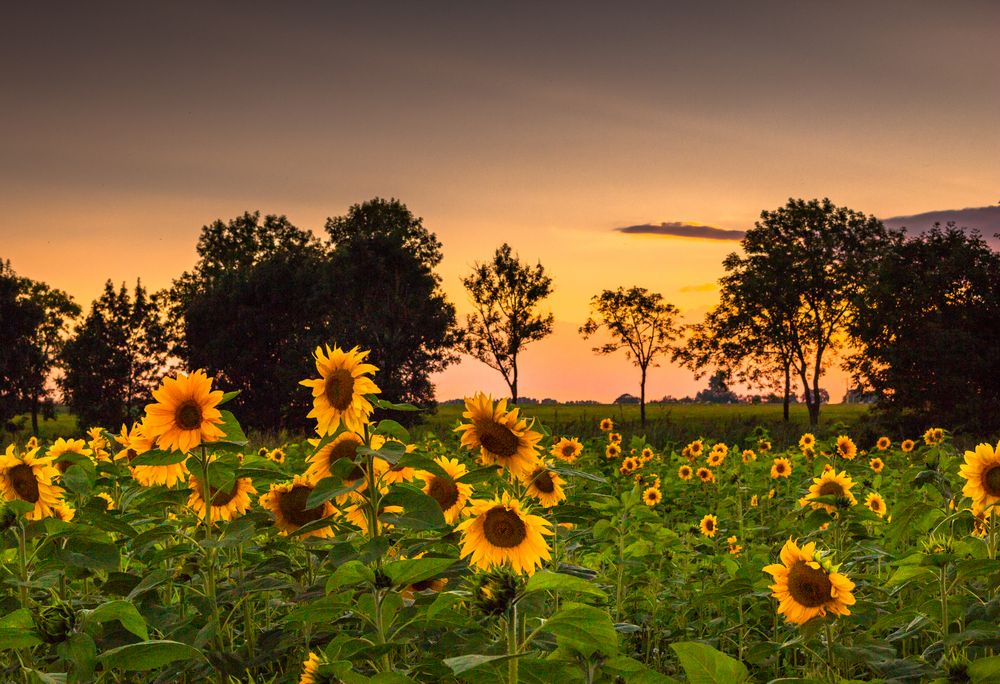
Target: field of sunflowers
[173, 550]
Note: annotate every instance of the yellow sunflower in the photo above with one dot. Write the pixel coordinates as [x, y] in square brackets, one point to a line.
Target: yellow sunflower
[876, 464]
[394, 473]
[288, 504]
[185, 413]
[499, 532]
[696, 448]
[567, 449]
[357, 515]
[612, 451]
[684, 472]
[545, 486]
[716, 458]
[831, 483]
[981, 471]
[652, 496]
[277, 455]
[734, 548]
[709, 525]
[133, 442]
[646, 455]
[109, 503]
[764, 445]
[339, 394]
[781, 467]
[629, 465]
[615, 437]
[310, 670]
[502, 437]
[31, 443]
[806, 587]
[343, 447]
[98, 443]
[67, 446]
[749, 456]
[876, 504]
[846, 447]
[807, 441]
[883, 443]
[754, 501]
[720, 448]
[451, 495]
[152, 475]
[907, 445]
[607, 425]
[26, 477]
[933, 436]
[226, 504]
[706, 475]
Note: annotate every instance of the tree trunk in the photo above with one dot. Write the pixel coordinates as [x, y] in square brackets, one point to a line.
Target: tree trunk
[642, 399]
[513, 388]
[788, 392]
[812, 404]
[34, 416]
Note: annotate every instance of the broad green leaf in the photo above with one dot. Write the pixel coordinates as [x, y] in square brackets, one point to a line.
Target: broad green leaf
[391, 428]
[158, 457]
[545, 580]
[585, 629]
[704, 665]
[420, 512]
[124, 612]
[405, 572]
[465, 663]
[147, 655]
[351, 572]
[18, 637]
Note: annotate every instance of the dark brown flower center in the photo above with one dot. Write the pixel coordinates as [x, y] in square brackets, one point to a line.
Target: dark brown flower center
[339, 389]
[220, 497]
[568, 450]
[22, 478]
[991, 481]
[876, 505]
[543, 481]
[188, 415]
[292, 505]
[504, 528]
[830, 488]
[345, 447]
[709, 524]
[498, 439]
[444, 491]
[810, 587]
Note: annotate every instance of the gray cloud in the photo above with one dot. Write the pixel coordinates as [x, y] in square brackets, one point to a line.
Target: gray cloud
[684, 230]
[984, 219]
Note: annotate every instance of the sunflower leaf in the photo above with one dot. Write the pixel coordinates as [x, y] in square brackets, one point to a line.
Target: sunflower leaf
[158, 457]
[391, 428]
[404, 572]
[545, 580]
[420, 512]
[147, 655]
[330, 487]
[234, 435]
[229, 396]
[705, 665]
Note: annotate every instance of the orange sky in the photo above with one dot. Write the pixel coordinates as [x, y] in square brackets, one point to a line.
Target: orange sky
[129, 127]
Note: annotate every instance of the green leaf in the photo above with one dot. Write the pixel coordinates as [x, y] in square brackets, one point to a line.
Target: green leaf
[406, 572]
[383, 404]
[18, 637]
[545, 580]
[570, 472]
[84, 553]
[985, 670]
[147, 655]
[584, 629]
[124, 612]
[158, 457]
[228, 396]
[420, 512]
[221, 476]
[81, 651]
[465, 663]
[330, 487]
[704, 665]
[391, 428]
[351, 572]
[479, 474]
[233, 432]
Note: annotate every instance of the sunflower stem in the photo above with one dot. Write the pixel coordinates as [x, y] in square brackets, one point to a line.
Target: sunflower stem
[943, 572]
[210, 551]
[22, 565]
[828, 627]
[512, 648]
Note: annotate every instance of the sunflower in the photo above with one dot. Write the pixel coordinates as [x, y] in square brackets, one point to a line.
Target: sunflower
[545, 485]
[185, 413]
[705, 475]
[607, 425]
[152, 475]
[343, 447]
[981, 471]
[109, 503]
[277, 455]
[612, 451]
[629, 465]
[876, 464]
[754, 501]
[310, 670]
[734, 548]
[684, 472]
[709, 525]
[499, 532]
[394, 473]
[450, 494]
[748, 456]
[883, 443]
[807, 441]
[225, 504]
[807, 587]
[876, 504]
[933, 436]
[696, 448]
[652, 496]
[98, 443]
[720, 448]
[567, 449]
[500, 435]
[29, 478]
[31, 443]
[846, 447]
[809, 453]
[831, 483]
[67, 446]
[288, 504]
[646, 455]
[771, 493]
[133, 442]
[339, 394]
[781, 467]
[615, 437]
[907, 445]
[764, 444]
[716, 458]
[357, 515]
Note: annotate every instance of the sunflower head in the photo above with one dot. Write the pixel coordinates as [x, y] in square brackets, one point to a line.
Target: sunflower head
[451, 495]
[225, 504]
[748, 456]
[567, 449]
[503, 533]
[831, 484]
[933, 436]
[545, 485]
[876, 464]
[652, 496]
[684, 472]
[705, 475]
[754, 501]
[26, 477]
[883, 443]
[981, 471]
[696, 447]
[806, 586]
[907, 445]
[846, 447]
[876, 504]
[185, 413]
[807, 441]
[288, 504]
[494, 591]
[502, 437]
[781, 467]
[709, 525]
[607, 425]
[54, 623]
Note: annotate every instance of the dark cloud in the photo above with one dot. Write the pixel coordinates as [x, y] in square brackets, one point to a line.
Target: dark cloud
[984, 219]
[685, 230]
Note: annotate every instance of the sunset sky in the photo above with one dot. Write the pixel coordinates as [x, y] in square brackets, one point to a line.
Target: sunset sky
[127, 126]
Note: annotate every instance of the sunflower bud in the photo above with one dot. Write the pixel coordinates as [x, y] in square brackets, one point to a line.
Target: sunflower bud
[494, 592]
[54, 623]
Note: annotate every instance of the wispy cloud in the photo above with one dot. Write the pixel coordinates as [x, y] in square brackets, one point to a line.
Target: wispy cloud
[683, 230]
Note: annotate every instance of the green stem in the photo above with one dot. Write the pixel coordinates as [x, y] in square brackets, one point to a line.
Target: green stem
[829, 650]
[22, 565]
[380, 629]
[210, 551]
[512, 648]
[944, 601]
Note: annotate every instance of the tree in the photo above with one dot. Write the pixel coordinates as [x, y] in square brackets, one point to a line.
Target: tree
[58, 311]
[800, 281]
[506, 294]
[638, 321]
[718, 391]
[20, 317]
[927, 343]
[115, 358]
[386, 297]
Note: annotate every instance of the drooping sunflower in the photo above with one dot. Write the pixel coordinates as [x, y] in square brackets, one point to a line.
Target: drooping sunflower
[933, 436]
[567, 449]
[607, 425]
[709, 525]
[684, 472]
[876, 504]
[876, 464]
[31, 443]
[883, 443]
[612, 451]
[781, 467]
[451, 495]
[545, 486]
[288, 504]
[846, 447]
[764, 444]
[109, 503]
[981, 471]
[63, 511]
[831, 483]
[705, 475]
[339, 394]
[61, 447]
[749, 456]
[501, 436]
[98, 443]
[807, 441]
[185, 413]
[499, 532]
[26, 477]
[652, 496]
[225, 504]
[806, 586]
[907, 445]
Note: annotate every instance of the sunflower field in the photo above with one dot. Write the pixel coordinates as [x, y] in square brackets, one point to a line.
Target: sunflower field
[173, 550]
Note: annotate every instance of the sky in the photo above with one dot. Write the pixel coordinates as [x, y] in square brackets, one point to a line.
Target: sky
[125, 127]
